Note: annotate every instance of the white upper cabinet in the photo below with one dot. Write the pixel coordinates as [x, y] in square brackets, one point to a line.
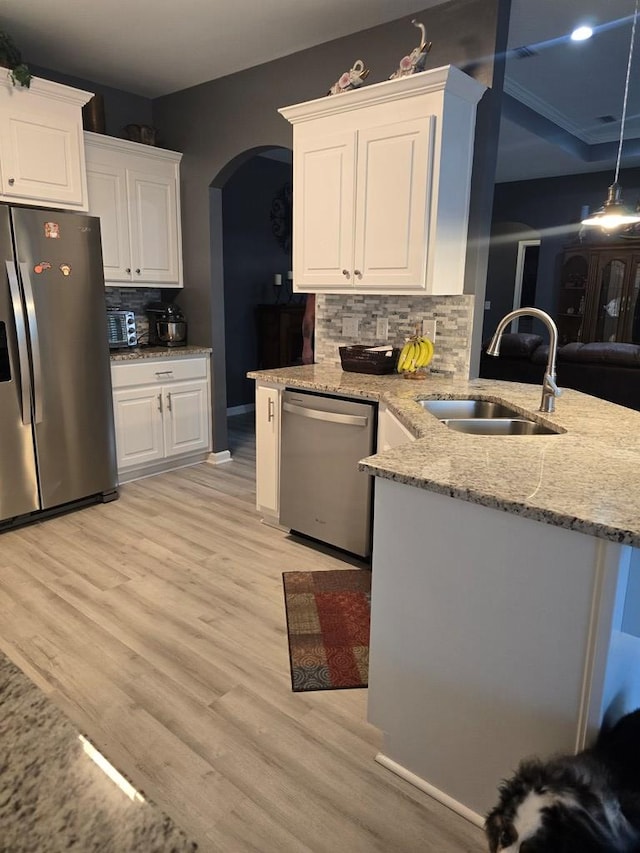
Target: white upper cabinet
[381, 183]
[41, 145]
[135, 190]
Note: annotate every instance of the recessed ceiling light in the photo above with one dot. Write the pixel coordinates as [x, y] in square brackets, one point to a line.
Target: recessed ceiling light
[581, 33]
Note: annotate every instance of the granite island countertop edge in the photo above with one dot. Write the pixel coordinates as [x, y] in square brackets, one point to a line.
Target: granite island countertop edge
[586, 479]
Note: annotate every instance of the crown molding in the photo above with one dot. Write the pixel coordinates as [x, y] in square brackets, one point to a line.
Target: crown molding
[447, 79]
[49, 89]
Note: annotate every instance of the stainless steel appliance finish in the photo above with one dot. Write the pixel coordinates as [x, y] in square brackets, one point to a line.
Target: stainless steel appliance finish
[121, 326]
[57, 442]
[167, 325]
[322, 493]
[172, 333]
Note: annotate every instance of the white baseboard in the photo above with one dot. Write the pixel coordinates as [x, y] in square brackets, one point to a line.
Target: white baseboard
[219, 457]
[241, 410]
[436, 793]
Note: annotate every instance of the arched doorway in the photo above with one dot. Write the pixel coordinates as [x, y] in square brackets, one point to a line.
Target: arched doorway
[246, 255]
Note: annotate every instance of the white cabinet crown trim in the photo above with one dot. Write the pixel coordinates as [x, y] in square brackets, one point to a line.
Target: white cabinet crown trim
[448, 78]
[112, 143]
[51, 90]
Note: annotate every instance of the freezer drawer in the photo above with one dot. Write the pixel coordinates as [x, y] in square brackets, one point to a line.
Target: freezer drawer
[322, 493]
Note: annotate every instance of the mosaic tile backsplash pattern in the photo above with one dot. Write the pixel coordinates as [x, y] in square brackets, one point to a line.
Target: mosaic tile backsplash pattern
[454, 316]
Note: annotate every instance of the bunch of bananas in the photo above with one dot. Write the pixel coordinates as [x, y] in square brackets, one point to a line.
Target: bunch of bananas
[416, 353]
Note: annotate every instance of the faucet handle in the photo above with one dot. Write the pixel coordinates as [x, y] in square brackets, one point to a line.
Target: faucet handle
[552, 385]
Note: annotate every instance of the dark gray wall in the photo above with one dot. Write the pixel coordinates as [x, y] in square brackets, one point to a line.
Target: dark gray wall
[551, 206]
[252, 256]
[501, 270]
[212, 124]
[120, 108]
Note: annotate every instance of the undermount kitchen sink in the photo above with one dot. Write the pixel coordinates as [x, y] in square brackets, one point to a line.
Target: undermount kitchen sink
[483, 417]
[444, 409]
[498, 426]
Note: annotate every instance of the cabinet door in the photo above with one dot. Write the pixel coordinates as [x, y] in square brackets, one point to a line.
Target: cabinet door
[42, 154]
[631, 330]
[186, 417]
[107, 188]
[267, 449]
[323, 211]
[153, 227]
[391, 432]
[573, 297]
[394, 180]
[609, 297]
[139, 431]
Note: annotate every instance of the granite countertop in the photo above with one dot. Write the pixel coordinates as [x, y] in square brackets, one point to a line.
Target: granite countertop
[587, 478]
[136, 353]
[53, 797]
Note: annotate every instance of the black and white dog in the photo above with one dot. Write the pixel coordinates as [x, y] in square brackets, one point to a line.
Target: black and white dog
[585, 803]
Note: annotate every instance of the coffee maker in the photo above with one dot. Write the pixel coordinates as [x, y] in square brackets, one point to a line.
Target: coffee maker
[167, 325]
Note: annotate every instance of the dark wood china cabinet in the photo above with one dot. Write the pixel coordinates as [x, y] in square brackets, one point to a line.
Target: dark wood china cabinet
[599, 297]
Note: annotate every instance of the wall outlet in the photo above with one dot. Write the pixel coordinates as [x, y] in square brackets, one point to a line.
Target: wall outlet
[350, 327]
[382, 328]
[429, 329]
[487, 305]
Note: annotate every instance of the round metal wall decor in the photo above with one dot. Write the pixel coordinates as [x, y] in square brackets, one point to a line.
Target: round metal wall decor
[281, 216]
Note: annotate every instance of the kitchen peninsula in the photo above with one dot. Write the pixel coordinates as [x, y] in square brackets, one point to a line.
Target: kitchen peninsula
[504, 615]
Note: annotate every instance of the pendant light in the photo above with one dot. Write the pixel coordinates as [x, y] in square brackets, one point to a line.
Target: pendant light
[614, 213]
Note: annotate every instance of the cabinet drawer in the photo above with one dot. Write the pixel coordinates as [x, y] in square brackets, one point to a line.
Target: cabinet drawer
[158, 371]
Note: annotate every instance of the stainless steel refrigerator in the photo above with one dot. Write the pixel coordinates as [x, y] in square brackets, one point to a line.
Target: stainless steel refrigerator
[57, 444]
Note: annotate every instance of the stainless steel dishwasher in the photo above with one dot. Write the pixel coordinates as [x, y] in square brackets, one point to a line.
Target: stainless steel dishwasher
[322, 493]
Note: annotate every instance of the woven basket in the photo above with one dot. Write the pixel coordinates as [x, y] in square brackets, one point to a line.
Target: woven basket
[360, 359]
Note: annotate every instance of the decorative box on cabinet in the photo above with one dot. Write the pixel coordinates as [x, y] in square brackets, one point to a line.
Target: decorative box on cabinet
[42, 160]
[599, 294]
[279, 335]
[381, 183]
[135, 190]
[162, 411]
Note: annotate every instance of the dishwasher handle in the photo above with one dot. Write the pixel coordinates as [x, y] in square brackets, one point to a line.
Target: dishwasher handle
[331, 417]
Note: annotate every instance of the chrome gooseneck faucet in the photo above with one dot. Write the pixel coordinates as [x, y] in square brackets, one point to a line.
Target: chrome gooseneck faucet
[550, 389]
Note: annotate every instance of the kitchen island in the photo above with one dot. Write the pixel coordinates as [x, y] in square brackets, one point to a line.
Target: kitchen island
[505, 603]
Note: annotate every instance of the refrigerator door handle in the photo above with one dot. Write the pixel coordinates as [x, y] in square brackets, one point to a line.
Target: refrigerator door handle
[35, 343]
[21, 335]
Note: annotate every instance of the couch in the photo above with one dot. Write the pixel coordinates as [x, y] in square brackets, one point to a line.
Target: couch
[603, 369]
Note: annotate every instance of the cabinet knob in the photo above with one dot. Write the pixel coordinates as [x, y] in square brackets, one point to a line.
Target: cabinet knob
[138, 271]
[128, 270]
[346, 273]
[11, 181]
[358, 273]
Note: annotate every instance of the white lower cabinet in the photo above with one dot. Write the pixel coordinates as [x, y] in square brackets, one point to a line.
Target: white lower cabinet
[268, 399]
[391, 432]
[162, 410]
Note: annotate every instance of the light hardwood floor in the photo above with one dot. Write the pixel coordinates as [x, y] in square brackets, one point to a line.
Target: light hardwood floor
[157, 623]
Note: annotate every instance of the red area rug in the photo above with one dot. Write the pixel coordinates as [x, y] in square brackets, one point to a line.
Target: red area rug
[328, 627]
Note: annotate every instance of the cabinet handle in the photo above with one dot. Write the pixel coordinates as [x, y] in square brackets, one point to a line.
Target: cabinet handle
[11, 181]
[164, 372]
[358, 273]
[138, 271]
[346, 273]
[169, 401]
[128, 270]
[271, 410]
[160, 403]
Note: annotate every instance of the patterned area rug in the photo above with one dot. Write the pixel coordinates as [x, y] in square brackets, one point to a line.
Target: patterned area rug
[328, 626]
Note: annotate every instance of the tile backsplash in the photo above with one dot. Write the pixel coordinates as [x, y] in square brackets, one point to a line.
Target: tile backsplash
[134, 299]
[453, 315]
